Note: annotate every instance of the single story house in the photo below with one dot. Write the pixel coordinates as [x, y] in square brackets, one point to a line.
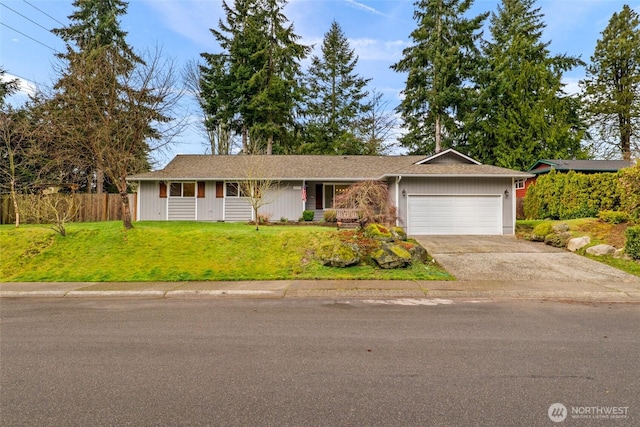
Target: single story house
[447, 193]
[583, 166]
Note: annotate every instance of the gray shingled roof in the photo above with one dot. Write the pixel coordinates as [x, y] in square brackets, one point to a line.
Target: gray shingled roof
[356, 168]
[580, 165]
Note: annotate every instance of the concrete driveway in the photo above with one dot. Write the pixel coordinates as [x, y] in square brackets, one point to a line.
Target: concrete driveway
[507, 259]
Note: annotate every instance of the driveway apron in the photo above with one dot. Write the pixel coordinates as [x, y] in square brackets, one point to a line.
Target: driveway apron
[507, 259]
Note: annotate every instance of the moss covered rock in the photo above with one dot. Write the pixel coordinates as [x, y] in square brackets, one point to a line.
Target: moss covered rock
[398, 233]
[541, 231]
[378, 232]
[338, 254]
[391, 255]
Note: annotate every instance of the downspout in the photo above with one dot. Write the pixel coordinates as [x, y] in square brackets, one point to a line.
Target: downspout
[304, 189]
[398, 198]
[138, 202]
[513, 206]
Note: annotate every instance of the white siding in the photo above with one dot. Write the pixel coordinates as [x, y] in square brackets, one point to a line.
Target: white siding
[151, 207]
[182, 208]
[237, 209]
[210, 207]
[287, 202]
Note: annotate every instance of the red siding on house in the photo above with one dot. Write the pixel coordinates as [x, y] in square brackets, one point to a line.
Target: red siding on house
[521, 192]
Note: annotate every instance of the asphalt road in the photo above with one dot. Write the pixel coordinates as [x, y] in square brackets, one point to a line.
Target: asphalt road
[316, 362]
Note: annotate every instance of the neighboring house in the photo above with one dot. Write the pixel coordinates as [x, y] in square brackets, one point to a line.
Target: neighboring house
[448, 193]
[583, 166]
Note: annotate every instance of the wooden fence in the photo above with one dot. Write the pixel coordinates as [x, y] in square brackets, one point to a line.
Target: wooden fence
[93, 207]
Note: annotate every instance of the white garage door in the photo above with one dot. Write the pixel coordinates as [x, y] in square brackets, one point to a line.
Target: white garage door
[454, 215]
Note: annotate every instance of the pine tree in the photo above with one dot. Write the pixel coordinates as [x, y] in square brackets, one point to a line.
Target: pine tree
[439, 66]
[523, 114]
[612, 85]
[109, 103]
[253, 84]
[336, 98]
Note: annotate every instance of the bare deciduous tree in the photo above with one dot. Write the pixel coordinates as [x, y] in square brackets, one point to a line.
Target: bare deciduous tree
[51, 208]
[258, 187]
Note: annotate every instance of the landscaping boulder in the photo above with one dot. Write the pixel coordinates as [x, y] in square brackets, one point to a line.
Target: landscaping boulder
[563, 227]
[338, 254]
[620, 253]
[558, 240]
[379, 232]
[418, 253]
[599, 250]
[578, 243]
[398, 233]
[391, 255]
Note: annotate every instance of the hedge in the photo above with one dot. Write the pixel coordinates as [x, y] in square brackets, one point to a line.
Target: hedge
[577, 195]
[632, 245]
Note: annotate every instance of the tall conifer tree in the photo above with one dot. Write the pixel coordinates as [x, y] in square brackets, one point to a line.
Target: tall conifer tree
[523, 114]
[612, 86]
[440, 65]
[336, 98]
[252, 85]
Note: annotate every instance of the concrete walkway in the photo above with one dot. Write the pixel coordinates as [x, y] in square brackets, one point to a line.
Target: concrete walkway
[468, 289]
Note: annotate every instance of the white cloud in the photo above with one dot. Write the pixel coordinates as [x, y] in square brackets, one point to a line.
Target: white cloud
[361, 6]
[191, 19]
[25, 87]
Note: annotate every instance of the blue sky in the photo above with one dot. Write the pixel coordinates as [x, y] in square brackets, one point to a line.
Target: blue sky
[378, 30]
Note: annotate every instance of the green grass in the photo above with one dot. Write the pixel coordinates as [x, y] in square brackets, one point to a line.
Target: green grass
[178, 251]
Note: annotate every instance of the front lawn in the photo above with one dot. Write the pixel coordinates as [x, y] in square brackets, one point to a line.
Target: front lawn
[178, 251]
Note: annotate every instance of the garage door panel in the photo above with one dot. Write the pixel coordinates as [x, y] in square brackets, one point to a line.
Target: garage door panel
[454, 214]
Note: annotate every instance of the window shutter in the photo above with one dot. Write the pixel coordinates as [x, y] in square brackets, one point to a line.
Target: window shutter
[163, 190]
[219, 190]
[200, 189]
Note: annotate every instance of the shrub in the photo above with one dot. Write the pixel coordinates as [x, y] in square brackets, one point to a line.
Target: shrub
[284, 220]
[264, 218]
[542, 230]
[613, 217]
[632, 245]
[307, 215]
[330, 216]
[371, 199]
[572, 195]
[630, 196]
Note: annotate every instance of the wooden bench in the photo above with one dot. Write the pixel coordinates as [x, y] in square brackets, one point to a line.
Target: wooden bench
[347, 218]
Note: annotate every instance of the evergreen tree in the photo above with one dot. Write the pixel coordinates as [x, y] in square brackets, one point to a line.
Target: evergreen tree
[336, 98]
[110, 104]
[612, 85]
[252, 86]
[7, 87]
[523, 114]
[439, 65]
[96, 56]
[225, 78]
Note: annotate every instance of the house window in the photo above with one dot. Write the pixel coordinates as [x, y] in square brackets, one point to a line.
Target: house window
[182, 189]
[331, 191]
[234, 190]
[519, 184]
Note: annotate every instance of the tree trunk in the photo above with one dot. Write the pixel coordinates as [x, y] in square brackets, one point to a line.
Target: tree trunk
[270, 145]
[244, 139]
[438, 143]
[99, 180]
[14, 198]
[126, 210]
